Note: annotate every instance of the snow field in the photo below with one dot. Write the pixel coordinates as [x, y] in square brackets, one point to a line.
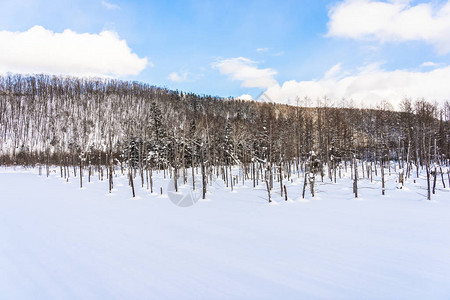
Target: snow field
[62, 242]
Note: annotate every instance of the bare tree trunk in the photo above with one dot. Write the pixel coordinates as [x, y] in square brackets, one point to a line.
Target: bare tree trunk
[281, 181]
[434, 180]
[47, 166]
[89, 171]
[428, 182]
[151, 181]
[355, 181]
[335, 170]
[193, 177]
[448, 177]
[408, 167]
[268, 189]
[204, 183]
[81, 173]
[362, 168]
[231, 178]
[382, 179]
[175, 178]
[304, 184]
[141, 162]
[311, 184]
[254, 174]
[110, 177]
[130, 174]
[147, 180]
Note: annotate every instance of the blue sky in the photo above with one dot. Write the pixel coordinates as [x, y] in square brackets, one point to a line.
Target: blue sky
[231, 48]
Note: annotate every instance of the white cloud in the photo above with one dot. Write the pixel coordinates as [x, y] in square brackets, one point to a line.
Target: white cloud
[245, 97]
[334, 71]
[109, 5]
[369, 85]
[395, 20]
[429, 64]
[246, 70]
[184, 76]
[39, 50]
[178, 77]
[262, 49]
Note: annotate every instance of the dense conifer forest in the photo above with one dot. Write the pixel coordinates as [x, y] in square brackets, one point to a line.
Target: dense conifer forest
[103, 126]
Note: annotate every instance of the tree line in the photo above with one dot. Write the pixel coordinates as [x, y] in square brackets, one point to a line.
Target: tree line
[65, 121]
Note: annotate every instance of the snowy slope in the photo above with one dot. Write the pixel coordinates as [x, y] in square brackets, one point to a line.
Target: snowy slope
[62, 242]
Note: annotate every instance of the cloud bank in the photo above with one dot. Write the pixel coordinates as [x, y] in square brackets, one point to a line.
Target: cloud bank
[39, 50]
[392, 21]
[369, 85]
[246, 70]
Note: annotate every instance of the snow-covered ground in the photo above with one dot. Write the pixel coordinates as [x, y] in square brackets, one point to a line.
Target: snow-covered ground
[58, 241]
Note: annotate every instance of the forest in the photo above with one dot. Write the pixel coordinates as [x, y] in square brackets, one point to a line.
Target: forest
[97, 127]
